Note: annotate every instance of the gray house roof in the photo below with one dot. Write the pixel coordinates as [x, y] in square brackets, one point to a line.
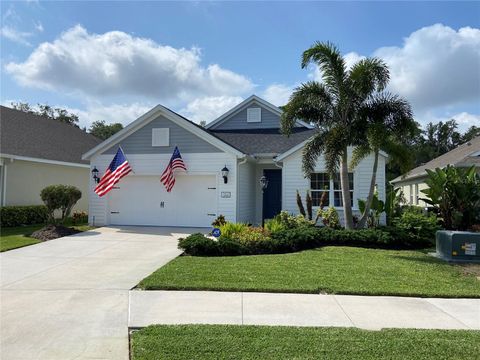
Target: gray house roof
[467, 154]
[263, 141]
[34, 136]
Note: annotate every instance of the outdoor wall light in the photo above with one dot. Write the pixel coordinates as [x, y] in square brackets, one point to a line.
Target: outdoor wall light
[225, 174]
[95, 175]
[263, 182]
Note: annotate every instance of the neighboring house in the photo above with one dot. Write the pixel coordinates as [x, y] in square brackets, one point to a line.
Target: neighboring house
[36, 152]
[413, 182]
[246, 140]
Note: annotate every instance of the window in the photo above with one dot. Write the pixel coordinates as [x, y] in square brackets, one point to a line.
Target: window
[254, 115]
[410, 189]
[321, 182]
[161, 137]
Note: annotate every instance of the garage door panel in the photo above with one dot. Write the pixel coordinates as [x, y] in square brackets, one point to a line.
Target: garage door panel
[143, 200]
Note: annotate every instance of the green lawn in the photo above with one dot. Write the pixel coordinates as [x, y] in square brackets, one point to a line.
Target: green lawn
[17, 237]
[263, 342]
[334, 270]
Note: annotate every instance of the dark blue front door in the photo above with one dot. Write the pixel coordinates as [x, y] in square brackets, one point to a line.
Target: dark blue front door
[272, 196]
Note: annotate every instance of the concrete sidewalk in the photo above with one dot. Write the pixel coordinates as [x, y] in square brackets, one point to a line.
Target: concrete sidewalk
[366, 312]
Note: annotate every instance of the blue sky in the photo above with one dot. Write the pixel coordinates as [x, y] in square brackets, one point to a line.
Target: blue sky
[114, 60]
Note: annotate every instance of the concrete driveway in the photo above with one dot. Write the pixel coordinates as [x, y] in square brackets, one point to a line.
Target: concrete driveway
[68, 298]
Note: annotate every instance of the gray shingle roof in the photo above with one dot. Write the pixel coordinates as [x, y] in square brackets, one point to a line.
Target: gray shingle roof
[30, 135]
[460, 156]
[263, 141]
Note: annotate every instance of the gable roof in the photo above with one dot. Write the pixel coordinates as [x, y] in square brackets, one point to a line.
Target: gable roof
[172, 116]
[251, 99]
[25, 135]
[467, 154]
[263, 141]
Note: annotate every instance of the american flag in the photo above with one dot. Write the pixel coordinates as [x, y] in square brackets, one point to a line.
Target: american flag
[168, 176]
[118, 168]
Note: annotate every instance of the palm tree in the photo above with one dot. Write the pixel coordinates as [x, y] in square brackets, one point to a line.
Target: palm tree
[332, 106]
[389, 123]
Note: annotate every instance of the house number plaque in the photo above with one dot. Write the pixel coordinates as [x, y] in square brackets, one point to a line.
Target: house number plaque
[226, 194]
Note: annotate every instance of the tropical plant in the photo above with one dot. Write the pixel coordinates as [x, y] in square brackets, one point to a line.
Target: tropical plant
[376, 209]
[228, 230]
[389, 121]
[330, 218]
[393, 203]
[60, 197]
[455, 192]
[308, 214]
[301, 209]
[274, 225]
[333, 106]
[219, 221]
[293, 221]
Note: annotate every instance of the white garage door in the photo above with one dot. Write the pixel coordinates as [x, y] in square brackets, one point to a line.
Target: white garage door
[143, 200]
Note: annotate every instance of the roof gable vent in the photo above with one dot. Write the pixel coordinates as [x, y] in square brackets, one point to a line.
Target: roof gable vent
[254, 114]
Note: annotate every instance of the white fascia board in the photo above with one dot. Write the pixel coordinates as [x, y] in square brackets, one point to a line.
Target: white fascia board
[239, 107]
[44, 161]
[151, 115]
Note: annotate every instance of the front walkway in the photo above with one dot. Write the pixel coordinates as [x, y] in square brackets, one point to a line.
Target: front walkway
[367, 312]
[68, 298]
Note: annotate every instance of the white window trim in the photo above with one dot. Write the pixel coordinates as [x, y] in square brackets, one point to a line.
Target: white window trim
[160, 137]
[331, 193]
[254, 110]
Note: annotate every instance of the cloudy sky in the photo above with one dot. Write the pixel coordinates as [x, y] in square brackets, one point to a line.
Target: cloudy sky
[114, 61]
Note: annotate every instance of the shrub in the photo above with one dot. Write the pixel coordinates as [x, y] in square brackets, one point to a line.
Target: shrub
[60, 197]
[22, 215]
[330, 218]
[229, 230]
[292, 221]
[79, 217]
[274, 225]
[198, 245]
[416, 227]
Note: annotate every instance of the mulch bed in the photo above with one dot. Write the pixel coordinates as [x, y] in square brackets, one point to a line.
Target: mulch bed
[51, 232]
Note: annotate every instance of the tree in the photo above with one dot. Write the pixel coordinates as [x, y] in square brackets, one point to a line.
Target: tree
[102, 130]
[473, 131]
[332, 106]
[389, 121]
[60, 197]
[48, 112]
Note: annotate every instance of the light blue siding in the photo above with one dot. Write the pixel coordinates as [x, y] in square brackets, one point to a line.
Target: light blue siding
[140, 142]
[237, 121]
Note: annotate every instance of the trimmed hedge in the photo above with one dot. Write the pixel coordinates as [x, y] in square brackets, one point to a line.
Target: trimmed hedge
[22, 215]
[301, 238]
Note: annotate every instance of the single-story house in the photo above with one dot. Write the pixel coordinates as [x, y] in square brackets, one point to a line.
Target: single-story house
[412, 183]
[36, 152]
[246, 140]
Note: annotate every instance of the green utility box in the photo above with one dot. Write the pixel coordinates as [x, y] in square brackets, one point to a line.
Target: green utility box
[458, 246]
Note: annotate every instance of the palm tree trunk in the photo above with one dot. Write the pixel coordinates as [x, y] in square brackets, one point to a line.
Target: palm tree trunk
[347, 206]
[368, 205]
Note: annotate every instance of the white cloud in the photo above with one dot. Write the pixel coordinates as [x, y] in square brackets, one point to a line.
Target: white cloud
[436, 66]
[14, 35]
[209, 108]
[277, 94]
[114, 113]
[38, 26]
[116, 63]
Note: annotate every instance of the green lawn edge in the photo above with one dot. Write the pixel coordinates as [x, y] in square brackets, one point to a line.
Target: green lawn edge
[12, 238]
[330, 270]
[280, 342]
